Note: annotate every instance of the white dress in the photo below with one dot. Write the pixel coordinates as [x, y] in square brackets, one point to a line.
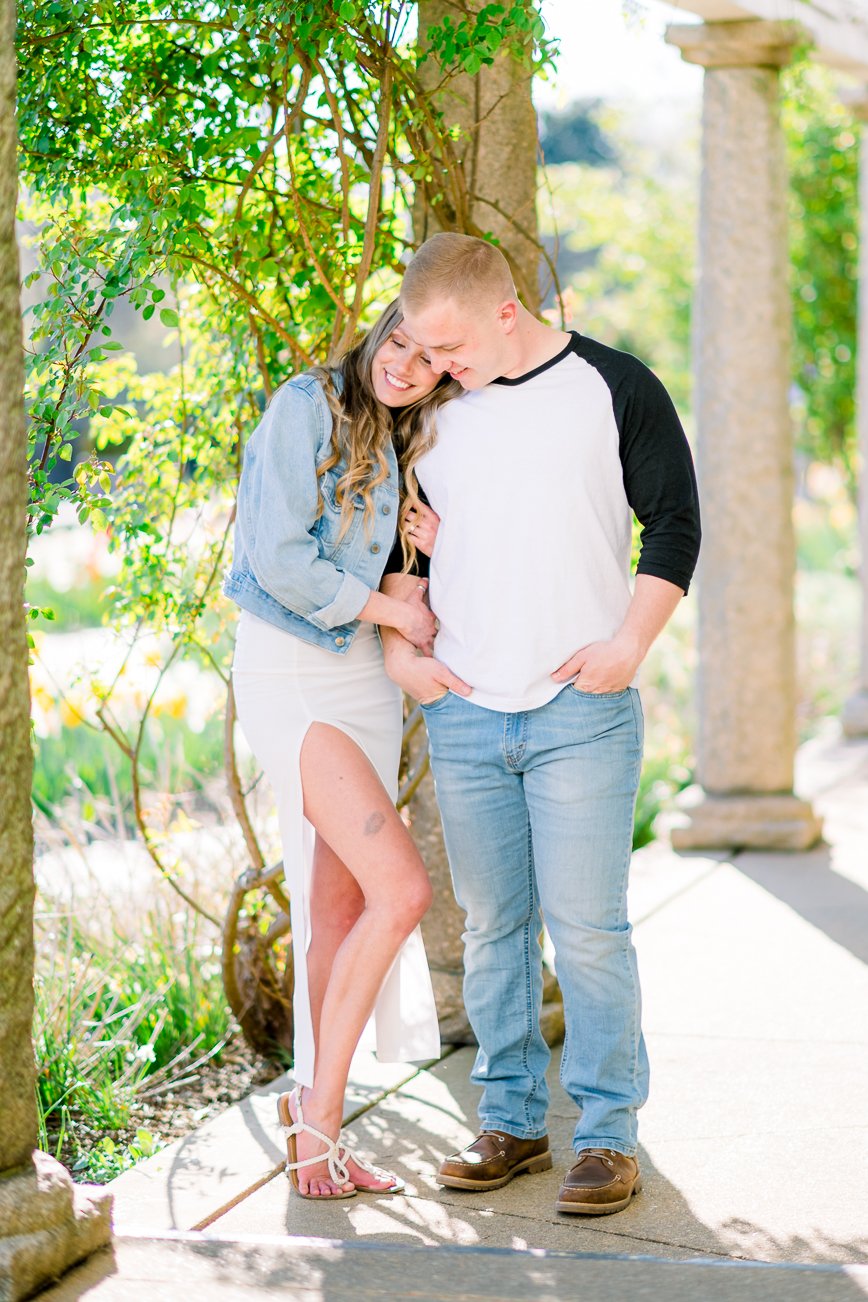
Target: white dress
[282, 685]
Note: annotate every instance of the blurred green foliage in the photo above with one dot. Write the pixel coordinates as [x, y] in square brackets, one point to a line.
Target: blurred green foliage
[823, 157]
[634, 224]
[78, 762]
[635, 292]
[82, 605]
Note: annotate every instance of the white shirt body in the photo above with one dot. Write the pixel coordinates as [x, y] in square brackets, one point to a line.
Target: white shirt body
[532, 558]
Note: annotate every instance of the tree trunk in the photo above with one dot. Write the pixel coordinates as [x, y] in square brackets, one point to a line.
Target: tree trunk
[45, 1225]
[496, 152]
[17, 1105]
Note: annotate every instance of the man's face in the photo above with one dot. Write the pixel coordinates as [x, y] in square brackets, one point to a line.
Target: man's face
[470, 343]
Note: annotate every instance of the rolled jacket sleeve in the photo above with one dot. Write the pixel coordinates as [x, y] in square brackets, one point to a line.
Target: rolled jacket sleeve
[281, 542]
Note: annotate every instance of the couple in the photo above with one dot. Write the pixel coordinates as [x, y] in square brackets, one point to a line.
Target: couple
[534, 447]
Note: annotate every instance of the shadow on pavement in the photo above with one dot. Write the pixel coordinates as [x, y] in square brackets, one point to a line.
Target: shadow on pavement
[809, 884]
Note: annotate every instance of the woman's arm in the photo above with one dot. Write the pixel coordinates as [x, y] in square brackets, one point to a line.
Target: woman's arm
[408, 615]
[284, 554]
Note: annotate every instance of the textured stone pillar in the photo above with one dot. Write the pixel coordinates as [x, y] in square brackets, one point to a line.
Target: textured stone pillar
[746, 689]
[45, 1224]
[854, 716]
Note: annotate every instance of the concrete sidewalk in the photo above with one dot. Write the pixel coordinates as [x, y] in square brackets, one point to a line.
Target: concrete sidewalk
[754, 1142]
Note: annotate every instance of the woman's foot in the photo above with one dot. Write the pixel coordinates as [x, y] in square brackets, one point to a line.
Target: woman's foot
[313, 1179]
[369, 1178]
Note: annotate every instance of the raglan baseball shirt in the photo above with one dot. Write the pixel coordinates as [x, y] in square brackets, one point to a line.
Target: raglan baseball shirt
[535, 480]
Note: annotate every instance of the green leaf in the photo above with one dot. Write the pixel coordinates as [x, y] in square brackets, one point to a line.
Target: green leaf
[168, 316]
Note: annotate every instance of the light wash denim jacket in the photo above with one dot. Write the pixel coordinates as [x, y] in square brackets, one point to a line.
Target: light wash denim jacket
[289, 567]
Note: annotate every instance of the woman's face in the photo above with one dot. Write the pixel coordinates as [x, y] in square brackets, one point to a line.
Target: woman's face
[401, 371]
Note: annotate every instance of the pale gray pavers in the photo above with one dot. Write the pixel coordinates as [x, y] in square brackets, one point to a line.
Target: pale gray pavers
[192, 1180]
[755, 1139]
[757, 1025]
[410, 1131]
[249, 1270]
[756, 1131]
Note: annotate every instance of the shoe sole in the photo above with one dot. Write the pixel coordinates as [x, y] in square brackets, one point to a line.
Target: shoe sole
[598, 1209]
[530, 1166]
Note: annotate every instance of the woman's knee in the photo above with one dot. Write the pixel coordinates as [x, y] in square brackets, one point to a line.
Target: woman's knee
[404, 901]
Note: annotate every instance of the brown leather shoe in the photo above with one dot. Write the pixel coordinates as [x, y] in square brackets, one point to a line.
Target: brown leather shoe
[493, 1159]
[601, 1181]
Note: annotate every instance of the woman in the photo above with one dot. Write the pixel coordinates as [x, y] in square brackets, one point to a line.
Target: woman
[316, 520]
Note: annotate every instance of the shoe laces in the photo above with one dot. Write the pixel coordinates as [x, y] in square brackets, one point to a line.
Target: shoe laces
[604, 1154]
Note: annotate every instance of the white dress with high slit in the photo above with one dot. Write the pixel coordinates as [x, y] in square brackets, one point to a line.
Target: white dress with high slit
[282, 685]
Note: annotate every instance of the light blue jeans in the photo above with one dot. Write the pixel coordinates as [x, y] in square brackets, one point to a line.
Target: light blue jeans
[537, 809]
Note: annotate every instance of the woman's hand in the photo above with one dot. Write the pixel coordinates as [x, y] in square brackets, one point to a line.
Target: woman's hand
[416, 620]
[423, 525]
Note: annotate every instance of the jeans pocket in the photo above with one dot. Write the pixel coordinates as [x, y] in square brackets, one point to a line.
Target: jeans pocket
[438, 700]
[598, 696]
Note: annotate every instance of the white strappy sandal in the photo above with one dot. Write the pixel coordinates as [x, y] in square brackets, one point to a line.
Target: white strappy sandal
[346, 1155]
[332, 1156]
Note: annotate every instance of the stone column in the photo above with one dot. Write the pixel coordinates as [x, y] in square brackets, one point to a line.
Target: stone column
[747, 692]
[854, 716]
[45, 1224]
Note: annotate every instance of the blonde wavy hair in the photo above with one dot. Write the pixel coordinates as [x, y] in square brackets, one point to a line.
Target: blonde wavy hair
[362, 427]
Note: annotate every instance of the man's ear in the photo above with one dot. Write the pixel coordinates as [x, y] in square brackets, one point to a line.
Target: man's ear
[507, 315]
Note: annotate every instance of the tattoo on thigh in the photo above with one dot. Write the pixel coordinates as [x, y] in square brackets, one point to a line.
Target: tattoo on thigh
[374, 822]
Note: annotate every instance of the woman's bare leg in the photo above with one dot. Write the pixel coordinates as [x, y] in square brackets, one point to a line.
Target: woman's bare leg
[351, 811]
[336, 903]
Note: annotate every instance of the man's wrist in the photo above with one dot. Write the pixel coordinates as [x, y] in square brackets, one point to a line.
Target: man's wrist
[396, 649]
[631, 645]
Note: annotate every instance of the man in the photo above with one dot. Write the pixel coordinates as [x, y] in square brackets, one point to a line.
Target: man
[534, 722]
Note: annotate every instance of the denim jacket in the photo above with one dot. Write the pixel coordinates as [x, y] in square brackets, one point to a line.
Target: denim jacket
[289, 566]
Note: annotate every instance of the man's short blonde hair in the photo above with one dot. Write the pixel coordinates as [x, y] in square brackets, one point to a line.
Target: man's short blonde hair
[457, 267]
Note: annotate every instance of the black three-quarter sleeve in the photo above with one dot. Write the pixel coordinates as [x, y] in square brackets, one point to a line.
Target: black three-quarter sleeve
[659, 477]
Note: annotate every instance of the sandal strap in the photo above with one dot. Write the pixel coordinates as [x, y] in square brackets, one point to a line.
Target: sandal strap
[346, 1155]
[337, 1169]
[302, 1128]
[333, 1156]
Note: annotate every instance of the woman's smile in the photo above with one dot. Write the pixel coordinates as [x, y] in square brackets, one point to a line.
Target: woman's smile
[395, 380]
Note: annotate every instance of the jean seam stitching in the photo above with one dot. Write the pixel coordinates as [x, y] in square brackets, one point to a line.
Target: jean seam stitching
[527, 976]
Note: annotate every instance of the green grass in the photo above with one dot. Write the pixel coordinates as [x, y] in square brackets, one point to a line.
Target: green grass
[86, 764]
[114, 1023]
